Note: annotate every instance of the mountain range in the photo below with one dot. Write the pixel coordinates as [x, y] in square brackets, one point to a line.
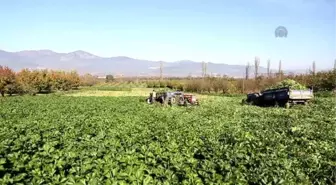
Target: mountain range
[85, 62]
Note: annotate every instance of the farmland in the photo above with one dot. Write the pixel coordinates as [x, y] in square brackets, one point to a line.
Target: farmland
[121, 140]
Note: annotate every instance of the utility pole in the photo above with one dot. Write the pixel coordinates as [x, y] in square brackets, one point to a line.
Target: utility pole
[268, 68]
[256, 67]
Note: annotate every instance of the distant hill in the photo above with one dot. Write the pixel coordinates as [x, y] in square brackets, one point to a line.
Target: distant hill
[85, 62]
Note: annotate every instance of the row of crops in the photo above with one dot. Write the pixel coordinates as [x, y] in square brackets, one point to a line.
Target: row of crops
[122, 140]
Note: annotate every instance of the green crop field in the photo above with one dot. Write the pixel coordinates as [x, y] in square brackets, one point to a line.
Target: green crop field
[122, 140]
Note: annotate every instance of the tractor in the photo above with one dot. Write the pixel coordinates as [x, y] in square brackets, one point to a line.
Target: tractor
[173, 98]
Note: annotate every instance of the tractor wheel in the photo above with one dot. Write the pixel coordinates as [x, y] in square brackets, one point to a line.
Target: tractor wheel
[172, 101]
[245, 102]
[148, 101]
[276, 104]
[181, 101]
[287, 105]
[161, 100]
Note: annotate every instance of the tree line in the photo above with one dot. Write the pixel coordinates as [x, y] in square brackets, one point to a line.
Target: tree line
[36, 81]
[317, 81]
[45, 81]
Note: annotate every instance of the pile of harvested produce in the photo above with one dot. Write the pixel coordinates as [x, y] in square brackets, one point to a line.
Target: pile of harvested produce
[288, 83]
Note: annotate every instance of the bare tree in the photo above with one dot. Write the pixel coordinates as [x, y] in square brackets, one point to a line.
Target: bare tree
[314, 68]
[268, 68]
[280, 70]
[256, 66]
[204, 69]
[247, 71]
[189, 76]
[161, 69]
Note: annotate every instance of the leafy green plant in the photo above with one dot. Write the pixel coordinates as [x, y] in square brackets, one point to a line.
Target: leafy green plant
[288, 83]
[119, 140]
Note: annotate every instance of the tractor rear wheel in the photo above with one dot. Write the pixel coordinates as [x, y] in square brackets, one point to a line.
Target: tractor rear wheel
[161, 100]
[172, 101]
[276, 104]
[287, 105]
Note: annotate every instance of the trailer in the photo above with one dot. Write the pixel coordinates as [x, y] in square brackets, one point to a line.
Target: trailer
[280, 97]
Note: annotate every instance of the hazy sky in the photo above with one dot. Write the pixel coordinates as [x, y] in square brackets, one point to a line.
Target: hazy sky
[220, 31]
